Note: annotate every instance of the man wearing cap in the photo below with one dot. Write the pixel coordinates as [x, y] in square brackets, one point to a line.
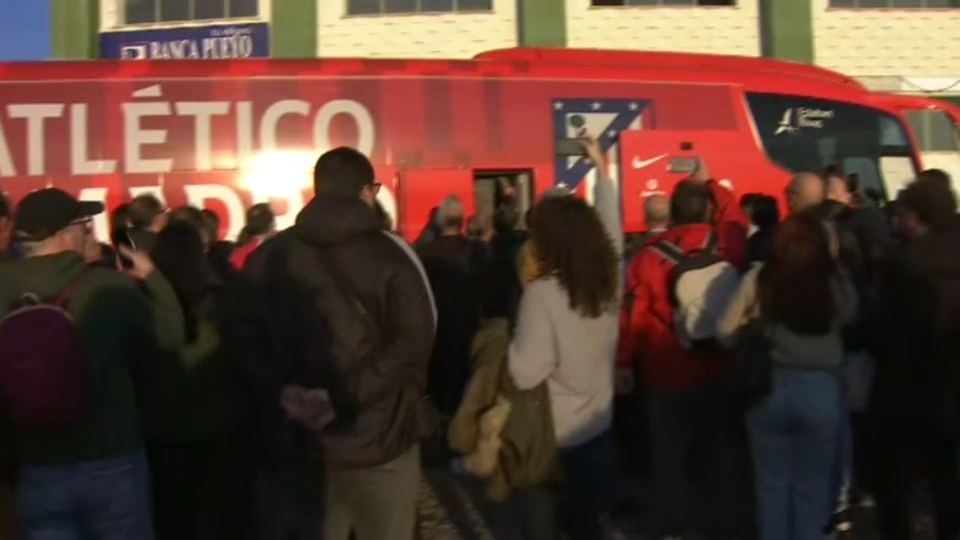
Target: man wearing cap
[90, 479]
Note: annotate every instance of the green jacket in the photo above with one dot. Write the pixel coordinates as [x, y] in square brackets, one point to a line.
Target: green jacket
[190, 394]
[117, 324]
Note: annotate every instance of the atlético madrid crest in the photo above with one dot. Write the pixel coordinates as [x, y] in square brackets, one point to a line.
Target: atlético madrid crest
[602, 118]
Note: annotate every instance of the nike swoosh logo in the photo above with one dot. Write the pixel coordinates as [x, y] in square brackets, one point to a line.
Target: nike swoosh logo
[640, 164]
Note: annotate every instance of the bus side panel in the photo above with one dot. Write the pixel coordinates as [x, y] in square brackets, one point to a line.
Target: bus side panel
[225, 142]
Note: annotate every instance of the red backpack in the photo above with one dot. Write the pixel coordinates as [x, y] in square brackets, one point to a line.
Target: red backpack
[43, 369]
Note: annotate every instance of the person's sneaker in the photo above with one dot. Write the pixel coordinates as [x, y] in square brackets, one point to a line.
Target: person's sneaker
[843, 525]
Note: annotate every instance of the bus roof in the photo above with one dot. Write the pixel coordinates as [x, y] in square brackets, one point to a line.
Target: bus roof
[661, 59]
[914, 102]
[780, 80]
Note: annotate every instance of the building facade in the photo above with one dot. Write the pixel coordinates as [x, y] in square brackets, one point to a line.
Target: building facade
[885, 43]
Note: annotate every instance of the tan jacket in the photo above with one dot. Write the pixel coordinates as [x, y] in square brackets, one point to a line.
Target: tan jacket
[505, 434]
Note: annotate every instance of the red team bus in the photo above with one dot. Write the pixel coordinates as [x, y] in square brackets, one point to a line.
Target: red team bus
[225, 134]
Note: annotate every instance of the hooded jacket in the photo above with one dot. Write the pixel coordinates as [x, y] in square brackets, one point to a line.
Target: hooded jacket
[646, 323]
[116, 323]
[380, 403]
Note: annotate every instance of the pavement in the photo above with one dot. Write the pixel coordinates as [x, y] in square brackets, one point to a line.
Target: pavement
[452, 507]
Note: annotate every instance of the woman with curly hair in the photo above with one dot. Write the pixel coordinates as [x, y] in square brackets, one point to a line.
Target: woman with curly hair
[566, 335]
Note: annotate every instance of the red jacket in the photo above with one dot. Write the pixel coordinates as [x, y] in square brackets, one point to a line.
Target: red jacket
[646, 321]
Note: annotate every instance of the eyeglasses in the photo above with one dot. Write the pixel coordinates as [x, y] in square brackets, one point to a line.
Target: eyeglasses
[86, 225]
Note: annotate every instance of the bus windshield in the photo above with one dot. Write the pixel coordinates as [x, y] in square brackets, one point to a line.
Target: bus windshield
[801, 134]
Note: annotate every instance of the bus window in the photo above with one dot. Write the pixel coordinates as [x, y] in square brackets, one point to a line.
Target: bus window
[807, 134]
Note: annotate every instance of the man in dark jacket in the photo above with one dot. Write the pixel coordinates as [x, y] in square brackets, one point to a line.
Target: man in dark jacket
[456, 266]
[861, 227]
[503, 288]
[915, 388]
[360, 391]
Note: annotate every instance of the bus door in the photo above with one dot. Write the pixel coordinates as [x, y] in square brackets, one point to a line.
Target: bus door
[936, 132]
[420, 190]
[652, 161]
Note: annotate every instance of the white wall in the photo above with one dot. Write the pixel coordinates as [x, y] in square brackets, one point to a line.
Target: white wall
[723, 30]
[898, 42]
[435, 35]
[111, 17]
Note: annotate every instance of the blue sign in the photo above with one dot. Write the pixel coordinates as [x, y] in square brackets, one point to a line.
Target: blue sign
[213, 42]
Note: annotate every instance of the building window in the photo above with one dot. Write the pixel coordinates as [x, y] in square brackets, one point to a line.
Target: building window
[160, 11]
[901, 4]
[664, 3]
[389, 7]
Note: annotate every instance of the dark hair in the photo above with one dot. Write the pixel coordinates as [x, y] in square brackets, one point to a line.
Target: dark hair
[190, 214]
[931, 199]
[853, 183]
[211, 223]
[506, 217]
[748, 200]
[936, 175]
[474, 227]
[796, 285]
[108, 257]
[343, 171]
[832, 170]
[690, 202]
[120, 217]
[4, 206]
[143, 209]
[572, 244]
[179, 255]
[260, 219]
[766, 212]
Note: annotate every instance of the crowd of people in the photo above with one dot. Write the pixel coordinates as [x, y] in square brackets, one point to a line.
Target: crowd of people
[763, 374]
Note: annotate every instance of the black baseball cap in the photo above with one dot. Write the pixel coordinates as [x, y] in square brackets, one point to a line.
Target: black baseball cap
[46, 212]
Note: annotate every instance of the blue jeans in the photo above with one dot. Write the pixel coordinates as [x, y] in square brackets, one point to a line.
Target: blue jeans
[588, 474]
[105, 499]
[843, 468]
[794, 438]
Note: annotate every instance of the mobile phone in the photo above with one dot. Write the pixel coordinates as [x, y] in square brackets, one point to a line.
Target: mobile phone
[684, 165]
[569, 147]
[121, 237]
